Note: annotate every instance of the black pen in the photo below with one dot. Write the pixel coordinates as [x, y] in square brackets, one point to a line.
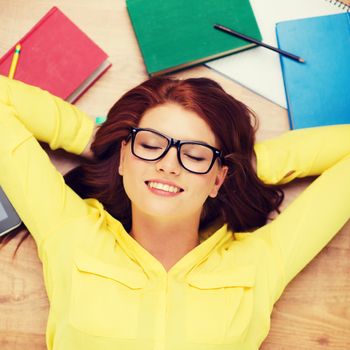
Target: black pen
[252, 40]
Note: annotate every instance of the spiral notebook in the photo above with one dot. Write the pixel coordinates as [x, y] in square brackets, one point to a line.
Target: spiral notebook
[259, 69]
[318, 91]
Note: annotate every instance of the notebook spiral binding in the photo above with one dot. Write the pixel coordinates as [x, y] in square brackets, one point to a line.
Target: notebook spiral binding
[340, 4]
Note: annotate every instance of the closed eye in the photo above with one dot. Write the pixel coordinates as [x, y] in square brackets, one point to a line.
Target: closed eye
[149, 147]
[197, 159]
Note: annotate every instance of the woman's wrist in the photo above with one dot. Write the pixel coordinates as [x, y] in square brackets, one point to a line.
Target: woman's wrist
[253, 160]
[87, 153]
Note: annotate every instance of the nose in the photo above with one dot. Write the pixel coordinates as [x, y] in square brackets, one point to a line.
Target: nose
[169, 163]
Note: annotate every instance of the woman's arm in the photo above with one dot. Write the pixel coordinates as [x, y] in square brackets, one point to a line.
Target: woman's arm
[32, 184]
[301, 153]
[310, 221]
[48, 118]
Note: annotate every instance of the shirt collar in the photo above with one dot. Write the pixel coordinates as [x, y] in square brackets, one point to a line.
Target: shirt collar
[151, 265]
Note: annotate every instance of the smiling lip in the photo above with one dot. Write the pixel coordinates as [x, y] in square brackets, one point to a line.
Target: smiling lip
[164, 182]
[160, 192]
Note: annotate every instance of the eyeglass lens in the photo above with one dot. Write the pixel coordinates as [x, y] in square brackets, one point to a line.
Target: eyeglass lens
[194, 157]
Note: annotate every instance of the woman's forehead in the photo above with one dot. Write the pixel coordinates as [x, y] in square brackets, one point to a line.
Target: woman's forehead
[175, 121]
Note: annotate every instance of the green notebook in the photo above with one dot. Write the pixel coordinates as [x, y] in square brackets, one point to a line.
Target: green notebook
[174, 34]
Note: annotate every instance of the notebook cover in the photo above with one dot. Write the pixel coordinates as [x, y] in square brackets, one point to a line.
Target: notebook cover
[318, 90]
[175, 34]
[57, 56]
[259, 69]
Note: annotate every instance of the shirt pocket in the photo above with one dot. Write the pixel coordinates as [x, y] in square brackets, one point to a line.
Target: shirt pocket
[105, 299]
[219, 305]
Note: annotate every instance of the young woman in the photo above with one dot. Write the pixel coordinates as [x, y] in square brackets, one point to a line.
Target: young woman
[170, 247]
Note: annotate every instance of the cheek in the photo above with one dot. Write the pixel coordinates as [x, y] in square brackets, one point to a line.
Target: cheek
[132, 176]
[201, 187]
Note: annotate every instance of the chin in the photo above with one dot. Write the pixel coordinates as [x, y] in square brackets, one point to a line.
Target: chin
[163, 213]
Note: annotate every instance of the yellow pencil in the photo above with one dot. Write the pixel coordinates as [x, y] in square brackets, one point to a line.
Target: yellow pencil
[14, 61]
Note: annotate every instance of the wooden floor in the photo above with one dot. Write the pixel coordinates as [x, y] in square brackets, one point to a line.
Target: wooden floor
[314, 311]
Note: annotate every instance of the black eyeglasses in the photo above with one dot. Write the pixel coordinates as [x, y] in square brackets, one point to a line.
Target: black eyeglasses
[195, 156]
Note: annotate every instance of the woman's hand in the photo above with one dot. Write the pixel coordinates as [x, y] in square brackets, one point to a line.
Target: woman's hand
[253, 160]
[87, 153]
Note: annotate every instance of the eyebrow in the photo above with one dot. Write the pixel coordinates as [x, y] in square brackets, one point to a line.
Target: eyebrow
[189, 140]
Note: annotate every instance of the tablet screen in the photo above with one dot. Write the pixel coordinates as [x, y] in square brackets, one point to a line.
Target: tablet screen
[3, 214]
[9, 219]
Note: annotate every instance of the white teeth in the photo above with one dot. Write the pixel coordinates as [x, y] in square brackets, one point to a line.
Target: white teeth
[163, 187]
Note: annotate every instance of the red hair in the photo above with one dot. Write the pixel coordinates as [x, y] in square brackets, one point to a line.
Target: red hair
[243, 202]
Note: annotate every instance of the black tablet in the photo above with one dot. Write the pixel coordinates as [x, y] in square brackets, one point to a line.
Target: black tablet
[9, 219]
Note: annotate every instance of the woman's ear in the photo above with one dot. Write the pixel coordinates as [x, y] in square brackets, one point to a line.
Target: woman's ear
[219, 180]
[121, 157]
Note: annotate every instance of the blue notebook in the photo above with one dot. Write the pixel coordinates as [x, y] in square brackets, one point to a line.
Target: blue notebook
[317, 91]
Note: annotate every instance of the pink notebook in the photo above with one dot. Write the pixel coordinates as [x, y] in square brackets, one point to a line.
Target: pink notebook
[58, 57]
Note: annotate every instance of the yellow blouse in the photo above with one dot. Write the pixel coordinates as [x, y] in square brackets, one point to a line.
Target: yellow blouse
[107, 292]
